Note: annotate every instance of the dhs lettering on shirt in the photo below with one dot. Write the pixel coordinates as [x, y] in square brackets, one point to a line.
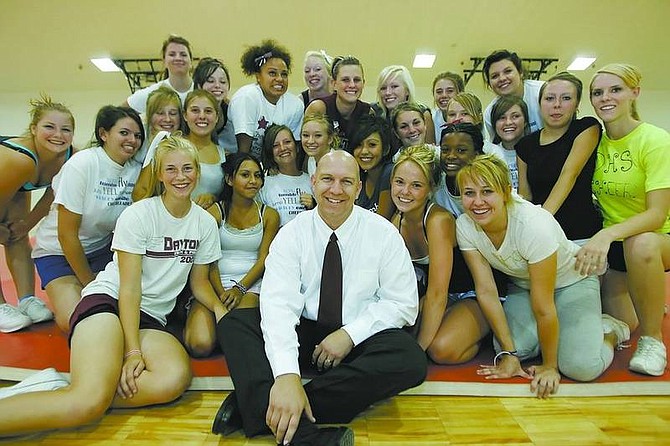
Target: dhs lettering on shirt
[616, 165]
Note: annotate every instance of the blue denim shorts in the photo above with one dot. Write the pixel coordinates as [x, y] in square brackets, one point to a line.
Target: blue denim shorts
[53, 267]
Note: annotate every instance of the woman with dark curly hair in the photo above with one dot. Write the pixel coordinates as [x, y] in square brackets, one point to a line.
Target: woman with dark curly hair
[267, 101]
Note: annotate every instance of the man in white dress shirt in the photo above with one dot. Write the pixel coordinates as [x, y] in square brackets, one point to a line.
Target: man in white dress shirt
[366, 358]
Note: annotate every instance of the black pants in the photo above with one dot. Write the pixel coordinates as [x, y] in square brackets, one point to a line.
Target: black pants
[380, 367]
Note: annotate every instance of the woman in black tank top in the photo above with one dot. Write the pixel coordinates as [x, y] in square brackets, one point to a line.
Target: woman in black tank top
[451, 324]
[29, 162]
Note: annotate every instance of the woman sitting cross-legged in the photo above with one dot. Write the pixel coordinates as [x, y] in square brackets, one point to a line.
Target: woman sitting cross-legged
[121, 355]
[551, 309]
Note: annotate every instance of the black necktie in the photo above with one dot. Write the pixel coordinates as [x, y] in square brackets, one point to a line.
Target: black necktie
[330, 300]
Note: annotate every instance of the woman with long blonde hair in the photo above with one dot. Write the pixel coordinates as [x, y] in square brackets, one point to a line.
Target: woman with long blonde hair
[632, 185]
[551, 308]
[121, 354]
[29, 162]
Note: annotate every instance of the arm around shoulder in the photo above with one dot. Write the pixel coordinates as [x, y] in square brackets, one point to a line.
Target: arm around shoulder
[141, 189]
[524, 187]
[386, 208]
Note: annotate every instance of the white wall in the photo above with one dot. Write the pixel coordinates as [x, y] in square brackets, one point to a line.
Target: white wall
[15, 107]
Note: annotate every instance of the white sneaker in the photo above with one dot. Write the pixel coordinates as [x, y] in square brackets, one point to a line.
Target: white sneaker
[35, 309]
[649, 358]
[47, 379]
[12, 319]
[619, 328]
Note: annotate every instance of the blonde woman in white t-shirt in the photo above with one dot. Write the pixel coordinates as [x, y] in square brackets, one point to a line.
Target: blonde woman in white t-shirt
[551, 309]
[318, 138]
[121, 354]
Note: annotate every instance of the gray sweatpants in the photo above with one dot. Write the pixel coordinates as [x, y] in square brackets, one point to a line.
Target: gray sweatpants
[582, 352]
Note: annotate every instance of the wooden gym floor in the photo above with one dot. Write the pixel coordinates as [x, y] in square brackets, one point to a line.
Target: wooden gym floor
[403, 421]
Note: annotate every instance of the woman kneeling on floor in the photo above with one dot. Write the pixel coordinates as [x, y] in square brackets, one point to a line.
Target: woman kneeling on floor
[551, 309]
[121, 355]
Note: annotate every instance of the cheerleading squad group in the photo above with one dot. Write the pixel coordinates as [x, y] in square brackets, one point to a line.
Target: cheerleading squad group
[197, 223]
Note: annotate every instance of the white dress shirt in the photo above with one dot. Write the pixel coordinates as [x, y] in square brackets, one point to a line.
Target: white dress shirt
[378, 286]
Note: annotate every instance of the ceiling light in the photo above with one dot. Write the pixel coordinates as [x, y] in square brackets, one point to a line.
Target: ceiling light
[105, 64]
[581, 63]
[424, 61]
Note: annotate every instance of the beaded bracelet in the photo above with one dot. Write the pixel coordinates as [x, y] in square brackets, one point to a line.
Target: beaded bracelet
[240, 287]
[132, 352]
[503, 353]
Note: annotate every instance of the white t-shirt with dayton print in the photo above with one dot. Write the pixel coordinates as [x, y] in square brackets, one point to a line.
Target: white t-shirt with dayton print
[169, 247]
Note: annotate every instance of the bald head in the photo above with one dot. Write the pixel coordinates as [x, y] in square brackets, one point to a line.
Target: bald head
[336, 185]
[339, 158]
